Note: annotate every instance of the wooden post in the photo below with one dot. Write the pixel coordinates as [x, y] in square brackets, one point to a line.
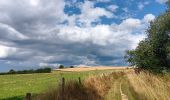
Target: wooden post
[28, 96]
[79, 80]
[63, 84]
[62, 88]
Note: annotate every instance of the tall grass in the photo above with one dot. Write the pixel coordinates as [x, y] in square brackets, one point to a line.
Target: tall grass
[149, 86]
[92, 88]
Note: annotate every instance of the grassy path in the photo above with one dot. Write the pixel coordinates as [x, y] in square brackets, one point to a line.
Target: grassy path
[121, 90]
[124, 96]
[114, 91]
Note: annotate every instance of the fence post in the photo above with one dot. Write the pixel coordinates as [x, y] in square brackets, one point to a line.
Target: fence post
[62, 88]
[28, 96]
[79, 80]
[63, 84]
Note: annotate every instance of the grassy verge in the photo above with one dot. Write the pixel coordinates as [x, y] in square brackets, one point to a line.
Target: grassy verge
[152, 87]
[95, 87]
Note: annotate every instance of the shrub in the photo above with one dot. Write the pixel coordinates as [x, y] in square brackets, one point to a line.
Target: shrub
[12, 71]
[61, 67]
[71, 66]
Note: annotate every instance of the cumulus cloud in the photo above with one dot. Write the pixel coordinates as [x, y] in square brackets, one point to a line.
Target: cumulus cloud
[113, 8]
[6, 51]
[89, 13]
[39, 32]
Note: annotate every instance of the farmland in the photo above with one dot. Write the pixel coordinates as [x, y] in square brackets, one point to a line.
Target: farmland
[117, 84]
[16, 86]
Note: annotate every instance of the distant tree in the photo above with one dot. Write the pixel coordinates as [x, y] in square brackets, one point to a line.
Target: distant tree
[71, 66]
[61, 67]
[12, 71]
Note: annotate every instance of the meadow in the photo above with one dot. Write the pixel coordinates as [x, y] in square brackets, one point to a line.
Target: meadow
[15, 87]
[96, 85]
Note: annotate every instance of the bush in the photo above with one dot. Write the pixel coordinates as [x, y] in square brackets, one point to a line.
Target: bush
[43, 70]
[71, 66]
[61, 67]
[12, 71]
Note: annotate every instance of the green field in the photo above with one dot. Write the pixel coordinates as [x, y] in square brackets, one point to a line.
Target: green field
[16, 86]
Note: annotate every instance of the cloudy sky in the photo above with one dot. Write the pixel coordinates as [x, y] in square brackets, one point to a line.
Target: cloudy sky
[35, 33]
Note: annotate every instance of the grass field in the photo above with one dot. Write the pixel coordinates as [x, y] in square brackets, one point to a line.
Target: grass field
[16, 86]
[112, 85]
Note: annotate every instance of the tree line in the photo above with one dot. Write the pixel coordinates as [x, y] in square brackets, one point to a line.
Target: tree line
[40, 70]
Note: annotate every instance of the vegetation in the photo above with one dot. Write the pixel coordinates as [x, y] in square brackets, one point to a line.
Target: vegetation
[40, 70]
[92, 88]
[71, 66]
[147, 86]
[153, 53]
[15, 86]
[61, 66]
[94, 84]
[113, 86]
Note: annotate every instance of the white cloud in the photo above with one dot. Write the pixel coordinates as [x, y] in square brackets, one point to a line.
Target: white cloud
[102, 0]
[91, 13]
[34, 2]
[113, 8]
[34, 29]
[6, 51]
[141, 5]
[130, 24]
[104, 34]
[149, 17]
[161, 1]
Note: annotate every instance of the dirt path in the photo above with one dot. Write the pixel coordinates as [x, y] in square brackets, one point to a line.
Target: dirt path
[124, 96]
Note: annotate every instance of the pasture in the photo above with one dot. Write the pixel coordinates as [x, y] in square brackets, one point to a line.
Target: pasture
[106, 84]
[16, 86]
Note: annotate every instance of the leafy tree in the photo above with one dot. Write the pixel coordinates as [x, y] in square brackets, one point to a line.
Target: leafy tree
[12, 71]
[61, 67]
[71, 66]
[153, 53]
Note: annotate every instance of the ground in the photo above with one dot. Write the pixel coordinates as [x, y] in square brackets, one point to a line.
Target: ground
[16, 86]
[126, 86]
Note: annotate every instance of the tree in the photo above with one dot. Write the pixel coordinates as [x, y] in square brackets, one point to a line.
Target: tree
[153, 53]
[12, 71]
[71, 66]
[61, 67]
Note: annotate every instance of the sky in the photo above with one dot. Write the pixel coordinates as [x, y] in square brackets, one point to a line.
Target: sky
[37, 33]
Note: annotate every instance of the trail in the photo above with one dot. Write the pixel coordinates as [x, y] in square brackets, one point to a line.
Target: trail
[124, 96]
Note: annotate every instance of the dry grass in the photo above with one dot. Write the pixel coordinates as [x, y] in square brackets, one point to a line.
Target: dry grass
[143, 86]
[92, 68]
[93, 88]
[149, 86]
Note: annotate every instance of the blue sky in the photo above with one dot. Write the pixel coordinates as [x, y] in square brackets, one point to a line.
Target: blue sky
[37, 33]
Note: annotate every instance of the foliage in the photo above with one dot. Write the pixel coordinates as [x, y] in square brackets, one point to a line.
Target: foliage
[71, 66]
[40, 70]
[61, 66]
[153, 53]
